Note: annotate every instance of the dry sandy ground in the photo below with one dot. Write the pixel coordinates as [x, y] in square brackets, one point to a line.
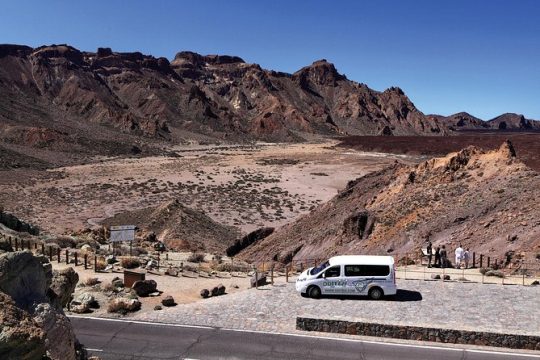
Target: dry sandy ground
[183, 289]
[245, 186]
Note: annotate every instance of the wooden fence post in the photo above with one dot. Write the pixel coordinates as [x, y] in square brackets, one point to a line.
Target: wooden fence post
[76, 259]
[50, 253]
[95, 263]
[272, 274]
[67, 256]
[256, 279]
[58, 255]
[286, 273]
[488, 261]
[481, 260]
[474, 260]
[85, 261]
[16, 244]
[43, 249]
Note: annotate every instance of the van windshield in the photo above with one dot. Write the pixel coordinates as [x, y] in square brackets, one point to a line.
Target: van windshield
[318, 269]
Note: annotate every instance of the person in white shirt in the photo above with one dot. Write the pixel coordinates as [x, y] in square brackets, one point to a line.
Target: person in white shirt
[459, 256]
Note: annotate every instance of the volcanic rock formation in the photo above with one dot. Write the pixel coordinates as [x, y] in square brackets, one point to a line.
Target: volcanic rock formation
[486, 201]
[32, 323]
[180, 227]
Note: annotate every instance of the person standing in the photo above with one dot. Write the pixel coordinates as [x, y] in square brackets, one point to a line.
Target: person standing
[429, 251]
[438, 257]
[466, 258]
[459, 256]
[444, 256]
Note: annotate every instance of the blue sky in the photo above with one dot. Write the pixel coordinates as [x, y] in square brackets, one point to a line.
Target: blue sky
[448, 56]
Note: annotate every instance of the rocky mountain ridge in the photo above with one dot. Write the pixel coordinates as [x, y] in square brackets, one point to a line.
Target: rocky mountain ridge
[58, 94]
[506, 121]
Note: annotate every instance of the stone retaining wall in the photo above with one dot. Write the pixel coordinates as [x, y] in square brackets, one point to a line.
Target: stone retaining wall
[420, 333]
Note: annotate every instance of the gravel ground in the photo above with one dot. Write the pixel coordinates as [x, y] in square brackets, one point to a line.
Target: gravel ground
[467, 306]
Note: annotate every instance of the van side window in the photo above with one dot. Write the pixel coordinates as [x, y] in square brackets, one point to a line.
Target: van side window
[334, 271]
[367, 270]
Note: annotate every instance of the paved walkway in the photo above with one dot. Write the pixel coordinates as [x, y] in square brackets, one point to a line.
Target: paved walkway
[494, 308]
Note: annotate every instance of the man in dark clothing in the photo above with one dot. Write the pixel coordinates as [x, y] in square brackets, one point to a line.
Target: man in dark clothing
[438, 257]
[429, 251]
[444, 257]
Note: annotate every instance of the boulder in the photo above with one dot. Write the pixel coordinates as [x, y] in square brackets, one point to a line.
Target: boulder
[123, 305]
[117, 282]
[20, 336]
[172, 271]
[86, 247]
[86, 299]
[221, 289]
[23, 278]
[446, 277]
[144, 287]
[215, 291]
[158, 307]
[258, 280]
[62, 286]
[205, 293]
[168, 301]
[32, 323]
[436, 276]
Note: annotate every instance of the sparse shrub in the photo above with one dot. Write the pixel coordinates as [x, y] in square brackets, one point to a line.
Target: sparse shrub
[124, 250]
[231, 267]
[483, 271]
[196, 258]
[108, 287]
[64, 241]
[123, 306]
[496, 273]
[91, 281]
[191, 268]
[101, 264]
[130, 263]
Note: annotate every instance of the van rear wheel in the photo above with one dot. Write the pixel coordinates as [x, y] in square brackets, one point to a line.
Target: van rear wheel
[314, 292]
[375, 293]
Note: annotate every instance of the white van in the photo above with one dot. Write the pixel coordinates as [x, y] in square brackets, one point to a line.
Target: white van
[374, 276]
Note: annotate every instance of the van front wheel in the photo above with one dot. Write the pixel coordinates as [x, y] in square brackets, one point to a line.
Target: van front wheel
[314, 292]
[375, 293]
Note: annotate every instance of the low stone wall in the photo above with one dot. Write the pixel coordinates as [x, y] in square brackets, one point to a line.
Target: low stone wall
[420, 333]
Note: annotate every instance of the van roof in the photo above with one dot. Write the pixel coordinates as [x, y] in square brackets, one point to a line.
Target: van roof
[361, 259]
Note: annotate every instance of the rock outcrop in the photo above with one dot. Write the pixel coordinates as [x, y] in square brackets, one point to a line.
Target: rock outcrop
[485, 200]
[33, 324]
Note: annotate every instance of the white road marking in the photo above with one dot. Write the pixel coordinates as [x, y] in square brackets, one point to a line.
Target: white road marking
[95, 350]
[389, 343]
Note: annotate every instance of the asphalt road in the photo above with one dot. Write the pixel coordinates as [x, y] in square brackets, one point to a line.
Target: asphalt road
[116, 339]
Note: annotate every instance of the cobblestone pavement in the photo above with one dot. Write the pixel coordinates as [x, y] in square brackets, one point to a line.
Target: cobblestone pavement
[493, 308]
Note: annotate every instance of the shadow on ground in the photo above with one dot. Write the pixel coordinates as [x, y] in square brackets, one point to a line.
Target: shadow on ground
[401, 295]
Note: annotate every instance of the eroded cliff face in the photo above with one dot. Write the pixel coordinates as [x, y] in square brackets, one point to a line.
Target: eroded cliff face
[58, 94]
[485, 200]
[31, 298]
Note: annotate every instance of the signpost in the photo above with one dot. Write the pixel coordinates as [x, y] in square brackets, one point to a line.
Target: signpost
[123, 233]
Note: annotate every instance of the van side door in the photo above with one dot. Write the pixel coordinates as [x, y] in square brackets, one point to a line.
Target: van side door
[332, 282]
[356, 282]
